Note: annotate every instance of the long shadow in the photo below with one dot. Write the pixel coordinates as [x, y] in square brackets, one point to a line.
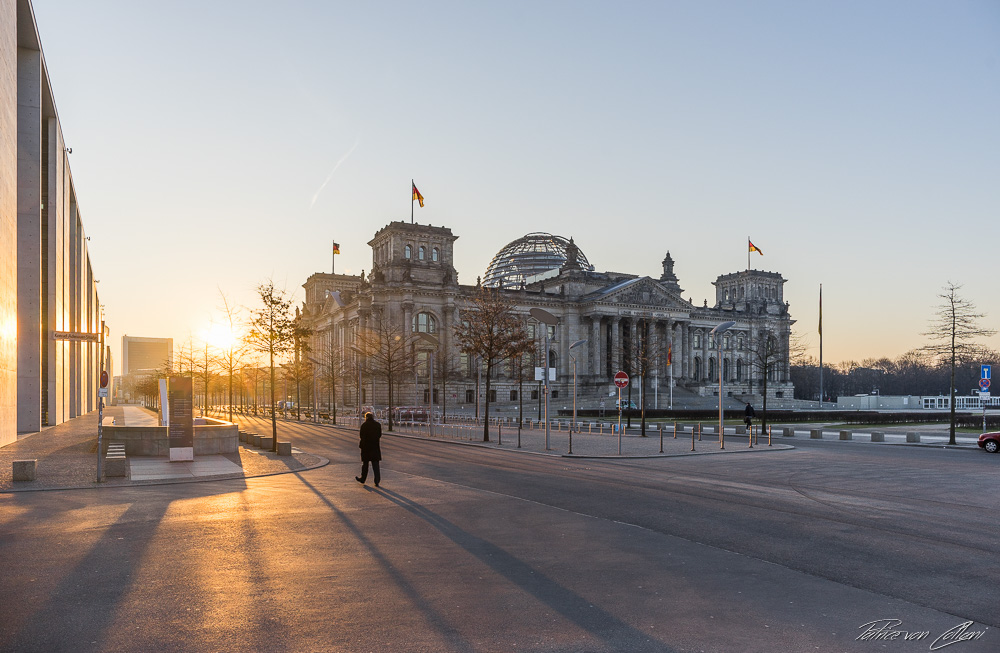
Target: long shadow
[617, 634]
[453, 638]
[80, 610]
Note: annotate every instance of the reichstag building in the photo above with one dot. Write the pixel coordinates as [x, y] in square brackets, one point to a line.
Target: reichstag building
[640, 325]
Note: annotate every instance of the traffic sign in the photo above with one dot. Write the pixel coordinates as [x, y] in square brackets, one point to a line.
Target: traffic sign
[104, 379]
[986, 371]
[984, 384]
[102, 392]
[621, 379]
[984, 395]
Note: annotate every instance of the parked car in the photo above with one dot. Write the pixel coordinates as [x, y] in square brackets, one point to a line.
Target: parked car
[990, 441]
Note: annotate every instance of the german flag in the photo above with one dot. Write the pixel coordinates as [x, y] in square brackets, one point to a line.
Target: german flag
[336, 248]
[416, 195]
[753, 248]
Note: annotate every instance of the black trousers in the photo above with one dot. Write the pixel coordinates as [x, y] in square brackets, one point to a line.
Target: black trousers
[364, 471]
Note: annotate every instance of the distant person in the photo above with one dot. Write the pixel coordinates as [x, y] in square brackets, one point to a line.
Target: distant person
[748, 414]
[371, 431]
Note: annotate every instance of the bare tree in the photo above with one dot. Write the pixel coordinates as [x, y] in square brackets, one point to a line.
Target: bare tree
[955, 327]
[231, 356]
[491, 331]
[769, 352]
[387, 350]
[272, 331]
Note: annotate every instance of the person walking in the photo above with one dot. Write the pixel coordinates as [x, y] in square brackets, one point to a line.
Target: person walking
[371, 431]
[748, 415]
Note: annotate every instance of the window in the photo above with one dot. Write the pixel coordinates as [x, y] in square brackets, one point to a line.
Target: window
[534, 394]
[470, 396]
[697, 341]
[493, 396]
[739, 370]
[434, 254]
[422, 253]
[555, 394]
[406, 252]
[697, 369]
[531, 330]
[424, 323]
[513, 395]
[725, 342]
[552, 332]
[739, 342]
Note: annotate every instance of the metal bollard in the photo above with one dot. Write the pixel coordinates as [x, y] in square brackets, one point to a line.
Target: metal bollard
[661, 438]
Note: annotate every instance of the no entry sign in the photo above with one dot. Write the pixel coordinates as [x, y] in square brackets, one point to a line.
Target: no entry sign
[621, 379]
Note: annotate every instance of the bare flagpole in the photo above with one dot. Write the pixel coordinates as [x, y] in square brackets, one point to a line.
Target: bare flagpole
[412, 186]
[820, 345]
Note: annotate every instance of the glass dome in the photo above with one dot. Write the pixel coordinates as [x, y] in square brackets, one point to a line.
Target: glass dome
[529, 256]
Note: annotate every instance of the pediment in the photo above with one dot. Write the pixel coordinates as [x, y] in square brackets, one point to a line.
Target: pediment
[643, 292]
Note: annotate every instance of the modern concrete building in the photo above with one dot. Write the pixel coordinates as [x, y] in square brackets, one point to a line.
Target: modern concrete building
[143, 354]
[51, 329]
[632, 323]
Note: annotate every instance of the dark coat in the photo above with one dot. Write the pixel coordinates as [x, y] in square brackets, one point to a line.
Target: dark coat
[371, 431]
[748, 411]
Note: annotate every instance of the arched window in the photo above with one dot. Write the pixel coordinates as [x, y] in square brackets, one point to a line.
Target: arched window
[406, 252]
[552, 359]
[434, 254]
[424, 323]
[421, 253]
[711, 369]
[697, 369]
[725, 370]
[739, 370]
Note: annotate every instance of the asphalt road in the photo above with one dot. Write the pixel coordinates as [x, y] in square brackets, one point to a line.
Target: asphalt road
[467, 549]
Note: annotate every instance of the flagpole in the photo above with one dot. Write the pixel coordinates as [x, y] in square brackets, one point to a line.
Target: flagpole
[333, 268]
[821, 345]
[412, 186]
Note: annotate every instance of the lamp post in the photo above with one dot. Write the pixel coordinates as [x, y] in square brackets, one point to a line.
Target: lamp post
[431, 340]
[573, 358]
[548, 319]
[717, 334]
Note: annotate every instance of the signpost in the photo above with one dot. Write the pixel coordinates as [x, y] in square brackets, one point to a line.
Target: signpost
[984, 389]
[621, 380]
[101, 394]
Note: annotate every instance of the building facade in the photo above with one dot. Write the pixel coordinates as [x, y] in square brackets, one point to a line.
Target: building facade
[51, 333]
[146, 354]
[640, 325]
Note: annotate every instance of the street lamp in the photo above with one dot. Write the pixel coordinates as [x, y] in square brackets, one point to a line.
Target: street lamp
[548, 319]
[573, 358]
[717, 334]
[431, 340]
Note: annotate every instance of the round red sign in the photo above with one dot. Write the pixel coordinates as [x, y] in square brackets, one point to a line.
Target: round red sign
[621, 379]
[104, 379]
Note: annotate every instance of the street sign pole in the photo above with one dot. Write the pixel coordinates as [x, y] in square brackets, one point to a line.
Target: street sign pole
[621, 381]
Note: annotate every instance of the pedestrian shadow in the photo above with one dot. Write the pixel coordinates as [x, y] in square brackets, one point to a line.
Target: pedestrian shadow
[617, 634]
[438, 621]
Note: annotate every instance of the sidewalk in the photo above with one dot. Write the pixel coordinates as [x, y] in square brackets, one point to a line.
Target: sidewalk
[66, 458]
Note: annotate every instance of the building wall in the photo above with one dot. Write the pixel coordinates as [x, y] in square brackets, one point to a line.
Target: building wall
[8, 221]
[46, 277]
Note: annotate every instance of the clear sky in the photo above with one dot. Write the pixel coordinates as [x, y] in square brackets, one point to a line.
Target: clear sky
[857, 143]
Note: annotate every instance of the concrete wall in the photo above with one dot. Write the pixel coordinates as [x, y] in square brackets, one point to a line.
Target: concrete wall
[8, 221]
[46, 278]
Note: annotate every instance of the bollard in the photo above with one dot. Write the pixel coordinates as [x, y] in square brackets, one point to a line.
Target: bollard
[846, 435]
[816, 434]
[661, 438]
[699, 431]
[675, 430]
[499, 435]
[750, 439]
[913, 436]
[788, 432]
[878, 436]
[692, 438]
[769, 435]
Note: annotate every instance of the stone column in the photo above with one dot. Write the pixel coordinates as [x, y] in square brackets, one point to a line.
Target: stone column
[596, 347]
[616, 358]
